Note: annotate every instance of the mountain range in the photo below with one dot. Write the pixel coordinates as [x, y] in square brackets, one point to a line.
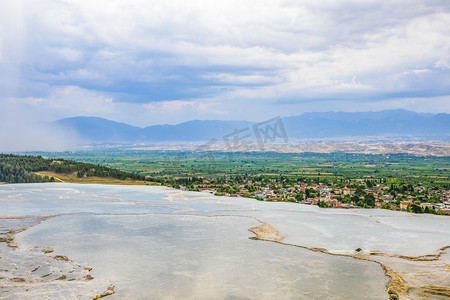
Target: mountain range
[307, 125]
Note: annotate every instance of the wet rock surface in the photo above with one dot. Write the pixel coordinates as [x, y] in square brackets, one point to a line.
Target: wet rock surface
[31, 273]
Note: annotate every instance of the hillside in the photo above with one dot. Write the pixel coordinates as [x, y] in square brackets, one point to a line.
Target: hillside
[387, 122]
[98, 129]
[34, 169]
[308, 125]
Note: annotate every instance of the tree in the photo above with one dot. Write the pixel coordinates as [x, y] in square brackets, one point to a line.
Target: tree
[416, 209]
[322, 204]
[299, 197]
[386, 206]
[355, 199]
[369, 199]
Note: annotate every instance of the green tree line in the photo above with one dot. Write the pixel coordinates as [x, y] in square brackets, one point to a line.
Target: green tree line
[21, 168]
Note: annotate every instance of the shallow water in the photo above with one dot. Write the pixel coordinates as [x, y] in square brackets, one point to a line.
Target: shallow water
[195, 257]
[152, 242]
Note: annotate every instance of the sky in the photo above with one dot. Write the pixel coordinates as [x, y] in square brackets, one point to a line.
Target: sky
[164, 62]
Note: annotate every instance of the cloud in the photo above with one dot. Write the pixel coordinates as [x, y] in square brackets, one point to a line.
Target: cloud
[66, 100]
[168, 61]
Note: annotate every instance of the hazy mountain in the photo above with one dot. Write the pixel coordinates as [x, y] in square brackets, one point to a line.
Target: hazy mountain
[93, 129]
[193, 130]
[308, 125]
[336, 124]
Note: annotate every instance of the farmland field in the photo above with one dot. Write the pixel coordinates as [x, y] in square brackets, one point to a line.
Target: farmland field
[397, 168]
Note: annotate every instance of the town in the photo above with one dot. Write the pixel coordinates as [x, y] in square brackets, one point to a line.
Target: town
[334, 180]
[387, 194]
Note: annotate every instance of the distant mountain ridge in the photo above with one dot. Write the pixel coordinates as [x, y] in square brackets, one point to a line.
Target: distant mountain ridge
[95, 129]
[386, 122]
[307, 125]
